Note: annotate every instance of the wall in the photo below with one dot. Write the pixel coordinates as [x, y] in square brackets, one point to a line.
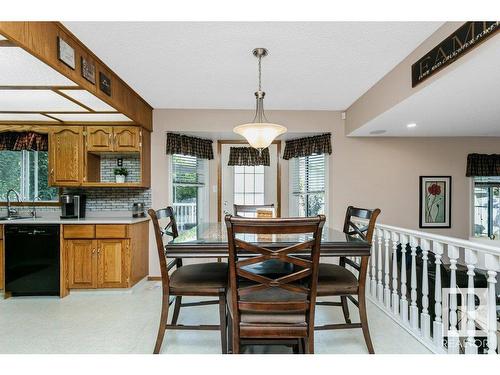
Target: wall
[368, 172]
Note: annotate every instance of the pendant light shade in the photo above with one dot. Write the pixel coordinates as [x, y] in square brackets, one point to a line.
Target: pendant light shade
[260, 133]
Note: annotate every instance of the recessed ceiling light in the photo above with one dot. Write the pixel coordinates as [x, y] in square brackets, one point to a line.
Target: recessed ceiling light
[411, 125]
[378, 132]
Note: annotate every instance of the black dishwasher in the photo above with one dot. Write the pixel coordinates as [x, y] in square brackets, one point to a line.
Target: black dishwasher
[32, 260]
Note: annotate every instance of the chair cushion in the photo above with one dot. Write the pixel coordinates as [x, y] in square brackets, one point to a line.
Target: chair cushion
[270, 295]
[200, 276]
[336, 280]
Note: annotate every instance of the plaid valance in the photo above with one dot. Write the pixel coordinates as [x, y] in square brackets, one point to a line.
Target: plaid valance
[248, 156]
[186, 145]
[483, 165]
[19, 141]
[317, 144]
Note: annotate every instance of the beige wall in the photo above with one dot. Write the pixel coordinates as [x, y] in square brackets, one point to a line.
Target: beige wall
[395, 86]
[368, 172]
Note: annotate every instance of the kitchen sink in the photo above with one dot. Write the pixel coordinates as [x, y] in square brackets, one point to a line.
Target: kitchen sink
[5, 218]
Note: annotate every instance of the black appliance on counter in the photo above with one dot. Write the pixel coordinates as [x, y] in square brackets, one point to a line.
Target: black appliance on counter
[32, 257]
[72, 206]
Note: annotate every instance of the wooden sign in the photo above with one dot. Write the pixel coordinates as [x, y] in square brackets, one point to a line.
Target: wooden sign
[88, 70]
[66, 53]
[463, 40]
[104, 84]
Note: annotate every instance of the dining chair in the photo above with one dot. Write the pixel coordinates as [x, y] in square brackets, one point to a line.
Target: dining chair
[337, 280]
[246, 209]
[264, 309]
[205, 280]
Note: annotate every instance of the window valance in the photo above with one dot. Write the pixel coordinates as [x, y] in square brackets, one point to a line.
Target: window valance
[186, 145]
[483, 165]
[317, 144]
[248, 156]
[19, 141]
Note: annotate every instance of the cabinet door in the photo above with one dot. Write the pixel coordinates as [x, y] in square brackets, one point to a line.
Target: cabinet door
[82, 263]
[99, 138]
[127, 138]
[111, 263]
[66, 156]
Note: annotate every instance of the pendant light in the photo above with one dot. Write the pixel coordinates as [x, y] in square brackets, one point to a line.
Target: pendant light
[260, 133]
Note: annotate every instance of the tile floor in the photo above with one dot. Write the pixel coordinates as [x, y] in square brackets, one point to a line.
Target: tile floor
[126, 322]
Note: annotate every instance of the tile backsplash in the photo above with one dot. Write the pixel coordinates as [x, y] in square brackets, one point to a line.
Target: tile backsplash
[113, 199]
[131, 163]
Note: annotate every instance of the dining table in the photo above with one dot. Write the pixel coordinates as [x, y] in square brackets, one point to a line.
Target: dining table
[209, 240]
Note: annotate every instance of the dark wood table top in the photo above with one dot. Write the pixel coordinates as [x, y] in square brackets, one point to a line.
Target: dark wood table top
[210, 240]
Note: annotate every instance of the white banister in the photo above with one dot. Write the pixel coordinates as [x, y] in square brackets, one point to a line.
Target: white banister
[425, 318]
[413, 283]
[423, 314]
[437, 248]
[470, 260]
[453, 338]
[395, 295]
[380, 287]
[387, 288]
[403, 303]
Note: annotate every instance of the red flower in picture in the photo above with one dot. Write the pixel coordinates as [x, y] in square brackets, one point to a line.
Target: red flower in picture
[434, 189]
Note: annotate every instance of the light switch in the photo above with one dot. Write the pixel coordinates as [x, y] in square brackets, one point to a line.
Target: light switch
[119, 162]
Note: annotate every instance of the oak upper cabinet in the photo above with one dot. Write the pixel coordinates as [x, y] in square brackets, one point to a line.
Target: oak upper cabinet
[127, 138]
[111, 265]
[66, 157]
[82, 263]
[99, 138]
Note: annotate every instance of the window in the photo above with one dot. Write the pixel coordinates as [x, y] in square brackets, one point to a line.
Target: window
[189, 189]
[307, 185]
[27, 173]
[487, 207]
[249, 185]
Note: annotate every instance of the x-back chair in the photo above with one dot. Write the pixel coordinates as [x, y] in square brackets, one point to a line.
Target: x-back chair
[206, 279]
[337, 280]
[263, 308]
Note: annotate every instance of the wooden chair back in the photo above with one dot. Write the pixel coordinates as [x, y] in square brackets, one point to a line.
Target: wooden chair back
[363, 231]
[366, 231]
[160, 230]
[303, 281]
[242, 209]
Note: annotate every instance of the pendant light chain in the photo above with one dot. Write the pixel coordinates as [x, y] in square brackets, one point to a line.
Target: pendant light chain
[260, 73]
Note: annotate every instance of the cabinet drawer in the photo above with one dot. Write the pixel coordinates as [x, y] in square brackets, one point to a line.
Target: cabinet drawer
[111, 231]
[79, 231]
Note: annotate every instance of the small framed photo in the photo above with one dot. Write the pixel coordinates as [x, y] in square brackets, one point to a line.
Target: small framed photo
[104, 84]
[66, 53]
[88, 70]
[435, 202]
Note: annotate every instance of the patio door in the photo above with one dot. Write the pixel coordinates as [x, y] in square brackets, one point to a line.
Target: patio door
[247, 184]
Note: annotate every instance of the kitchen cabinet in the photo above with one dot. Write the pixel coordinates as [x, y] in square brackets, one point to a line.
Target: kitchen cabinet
[127, 138]
[111, 255]
[66, 157]
[82, 263]
[106, 255]
[99, 138]
[113, 139]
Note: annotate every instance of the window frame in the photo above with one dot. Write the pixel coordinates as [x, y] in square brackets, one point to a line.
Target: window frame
[254, 193]
[293, 197]
[31, 203]
[490, 186]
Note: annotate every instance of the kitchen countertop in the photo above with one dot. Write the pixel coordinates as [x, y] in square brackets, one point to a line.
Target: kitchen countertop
[55, 219]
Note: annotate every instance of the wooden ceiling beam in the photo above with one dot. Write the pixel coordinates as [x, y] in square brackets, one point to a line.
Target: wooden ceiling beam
[7, 43]
[41, 40]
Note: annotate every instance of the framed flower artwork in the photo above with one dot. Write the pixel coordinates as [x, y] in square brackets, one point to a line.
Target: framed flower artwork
[435, 202]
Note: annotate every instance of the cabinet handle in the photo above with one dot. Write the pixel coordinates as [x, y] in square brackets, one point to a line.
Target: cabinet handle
[93, 251]
[98, 251]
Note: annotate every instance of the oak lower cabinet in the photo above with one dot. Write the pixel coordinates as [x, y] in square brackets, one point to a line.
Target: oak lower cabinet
[106, 255]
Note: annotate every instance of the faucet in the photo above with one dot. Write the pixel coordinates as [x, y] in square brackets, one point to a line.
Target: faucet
[11, 211]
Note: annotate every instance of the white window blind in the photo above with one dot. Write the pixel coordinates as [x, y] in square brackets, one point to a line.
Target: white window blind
[188, 170]
[308, 184]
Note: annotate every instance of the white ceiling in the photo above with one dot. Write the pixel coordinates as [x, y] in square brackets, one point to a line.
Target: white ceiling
[312, 65]
[463, 102]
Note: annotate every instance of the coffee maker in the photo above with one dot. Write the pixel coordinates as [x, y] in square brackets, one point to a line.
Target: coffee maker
[72, 206]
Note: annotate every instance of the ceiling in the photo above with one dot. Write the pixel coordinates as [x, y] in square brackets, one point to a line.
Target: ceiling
[463, 102]
[31, 91]
[311, 65]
